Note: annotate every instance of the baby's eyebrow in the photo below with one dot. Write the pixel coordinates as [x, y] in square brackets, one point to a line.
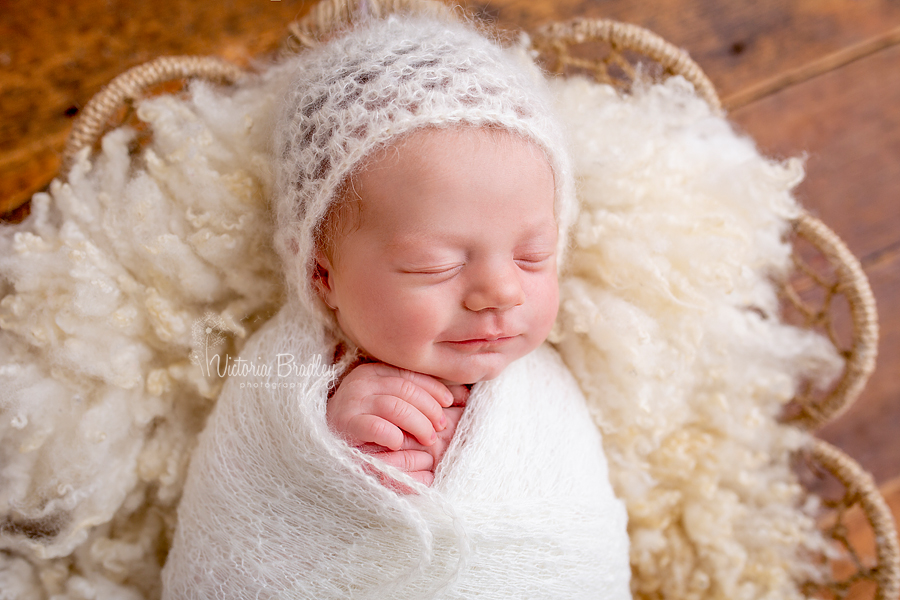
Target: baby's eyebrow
[542, 229]
[407, 242]
[539, 232]
[418, 247]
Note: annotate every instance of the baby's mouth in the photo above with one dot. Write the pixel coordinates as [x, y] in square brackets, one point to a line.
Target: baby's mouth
[487, 340]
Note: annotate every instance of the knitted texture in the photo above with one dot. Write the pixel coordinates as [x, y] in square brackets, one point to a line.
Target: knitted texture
[276, 506]
[367, 88]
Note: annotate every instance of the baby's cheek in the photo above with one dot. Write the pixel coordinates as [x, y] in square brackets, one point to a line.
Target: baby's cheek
[546, 294]
[408, 325]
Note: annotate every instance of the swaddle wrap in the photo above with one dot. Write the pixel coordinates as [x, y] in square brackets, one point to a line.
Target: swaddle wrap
[276, 506]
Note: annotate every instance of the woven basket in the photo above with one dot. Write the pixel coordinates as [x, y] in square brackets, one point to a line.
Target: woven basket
[613, 53]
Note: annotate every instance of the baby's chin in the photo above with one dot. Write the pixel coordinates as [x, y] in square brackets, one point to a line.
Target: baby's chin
[471, 370]
[466, 372]
[469, 376]
[451, 377]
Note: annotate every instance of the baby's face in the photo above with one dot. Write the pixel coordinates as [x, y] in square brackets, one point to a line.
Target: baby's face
[452, 269]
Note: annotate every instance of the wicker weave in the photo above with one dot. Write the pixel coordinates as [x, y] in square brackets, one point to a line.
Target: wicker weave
[328, 16]
[851, 282]
[133, 84]
[557, 46]
[557, 40]
[859, 489]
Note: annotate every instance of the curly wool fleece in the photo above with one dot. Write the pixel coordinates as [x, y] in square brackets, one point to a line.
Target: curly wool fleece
[680, 230]
[379, 82]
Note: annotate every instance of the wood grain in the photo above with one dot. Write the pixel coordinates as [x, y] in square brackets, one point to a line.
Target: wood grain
[738, 44]
[55, 55]
[870, 430]
[848, 123]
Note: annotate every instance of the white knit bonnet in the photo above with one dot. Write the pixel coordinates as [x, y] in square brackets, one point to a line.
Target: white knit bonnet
[358, 92]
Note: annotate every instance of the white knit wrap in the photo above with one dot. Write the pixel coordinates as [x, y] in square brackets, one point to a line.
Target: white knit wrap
[276, 506]
[381, 81]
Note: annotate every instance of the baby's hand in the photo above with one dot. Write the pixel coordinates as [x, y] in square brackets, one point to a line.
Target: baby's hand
[377, 403]
[416, 460]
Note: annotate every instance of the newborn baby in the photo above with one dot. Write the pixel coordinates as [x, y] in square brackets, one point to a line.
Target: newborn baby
[423, 203]
[447, 270]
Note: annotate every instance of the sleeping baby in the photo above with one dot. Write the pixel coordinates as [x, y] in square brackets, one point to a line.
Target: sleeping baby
[423, 202]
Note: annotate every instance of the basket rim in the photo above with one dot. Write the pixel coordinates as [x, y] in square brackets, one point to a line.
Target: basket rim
[127, 87]
[861, 487]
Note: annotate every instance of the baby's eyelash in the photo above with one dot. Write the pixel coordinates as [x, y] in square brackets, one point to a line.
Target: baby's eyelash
[533, 260]
[435, 270]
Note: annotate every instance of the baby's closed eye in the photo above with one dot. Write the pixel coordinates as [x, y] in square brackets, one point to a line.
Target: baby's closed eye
[437, 270]
[534, 261]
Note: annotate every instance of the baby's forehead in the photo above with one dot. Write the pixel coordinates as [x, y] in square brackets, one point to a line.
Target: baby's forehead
[432, 147]
[450, 183]
[428, 174]
[446, 155]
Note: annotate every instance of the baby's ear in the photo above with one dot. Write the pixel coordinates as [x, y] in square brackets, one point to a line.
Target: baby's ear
[321, 278]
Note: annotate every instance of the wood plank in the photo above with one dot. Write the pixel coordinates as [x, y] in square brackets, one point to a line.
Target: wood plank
[820, 66]
[848, 122]
[83, 46]
[55, 55]
[738, 44]
[868, 431]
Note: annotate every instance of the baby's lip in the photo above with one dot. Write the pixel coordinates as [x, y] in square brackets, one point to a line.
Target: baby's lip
[483, 338]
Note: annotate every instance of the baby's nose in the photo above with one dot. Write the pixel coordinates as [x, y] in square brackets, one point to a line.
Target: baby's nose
[495, 287]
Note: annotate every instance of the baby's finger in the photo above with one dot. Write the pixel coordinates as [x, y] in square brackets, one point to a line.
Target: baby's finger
[424, 477]
[375, 430]
[460, 394]
[407, 416]
[375, 448]
[430, 385]
[407, 460]
[417, 397]
[411, 443]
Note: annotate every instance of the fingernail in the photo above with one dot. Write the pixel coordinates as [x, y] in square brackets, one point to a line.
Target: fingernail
[434, 436]
[443, 422]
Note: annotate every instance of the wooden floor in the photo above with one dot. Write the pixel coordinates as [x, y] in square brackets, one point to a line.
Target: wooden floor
[813, 77]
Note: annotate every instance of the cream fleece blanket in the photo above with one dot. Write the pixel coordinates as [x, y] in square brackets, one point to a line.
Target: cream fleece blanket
[276, 506]
[669, 323]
